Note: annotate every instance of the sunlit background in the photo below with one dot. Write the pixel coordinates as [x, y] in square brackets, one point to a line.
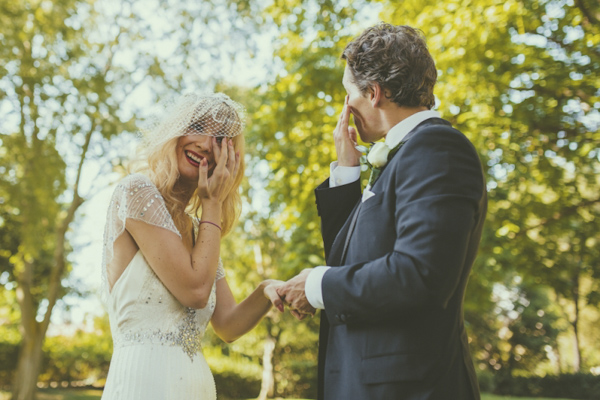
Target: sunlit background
[77, 78]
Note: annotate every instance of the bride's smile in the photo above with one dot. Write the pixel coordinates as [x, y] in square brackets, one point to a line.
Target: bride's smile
[191, 150]
[193, 158]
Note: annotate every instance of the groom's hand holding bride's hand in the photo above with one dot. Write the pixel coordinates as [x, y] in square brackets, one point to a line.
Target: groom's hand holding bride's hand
[292, 293]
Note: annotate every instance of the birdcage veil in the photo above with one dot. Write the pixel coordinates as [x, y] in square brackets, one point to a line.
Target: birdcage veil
[208, 114]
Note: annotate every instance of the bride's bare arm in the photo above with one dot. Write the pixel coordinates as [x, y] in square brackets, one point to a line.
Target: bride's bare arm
[231, 320]
[188, 276]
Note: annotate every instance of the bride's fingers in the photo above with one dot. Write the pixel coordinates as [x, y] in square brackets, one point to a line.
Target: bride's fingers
[216, 148]
[231, 157]
[203, 176]
[220, 172]
[271, 294]
[224, 155]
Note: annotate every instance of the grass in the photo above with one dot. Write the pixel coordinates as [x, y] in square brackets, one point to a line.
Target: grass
[90, 394]
[486, 396]
[62, 394]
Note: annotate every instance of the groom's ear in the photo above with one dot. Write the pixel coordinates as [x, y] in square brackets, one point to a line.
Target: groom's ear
[375, 94]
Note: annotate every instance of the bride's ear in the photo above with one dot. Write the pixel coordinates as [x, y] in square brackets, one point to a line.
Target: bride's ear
[375, 94]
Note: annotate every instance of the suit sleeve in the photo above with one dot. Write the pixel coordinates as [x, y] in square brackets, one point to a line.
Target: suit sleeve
[439, 187]
[334, 206]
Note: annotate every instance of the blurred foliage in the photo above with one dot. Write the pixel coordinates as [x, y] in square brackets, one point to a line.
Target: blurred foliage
[82, 357]
[571, 386]
[525, 93]
[71, 75]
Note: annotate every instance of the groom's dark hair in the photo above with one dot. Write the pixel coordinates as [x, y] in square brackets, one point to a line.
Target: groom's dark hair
[397, 58]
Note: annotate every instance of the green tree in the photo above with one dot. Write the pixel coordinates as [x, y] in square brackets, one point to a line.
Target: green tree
[277, 358]
[532, 323]
[33, 171]
[526, 93]
[290, 146]
[295, 122]
[69, 71]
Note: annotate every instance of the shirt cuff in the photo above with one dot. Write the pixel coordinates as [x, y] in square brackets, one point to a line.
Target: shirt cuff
[312, 287]
[340, 176]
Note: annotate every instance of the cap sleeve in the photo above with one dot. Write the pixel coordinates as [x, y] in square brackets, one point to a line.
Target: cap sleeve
[135, 197]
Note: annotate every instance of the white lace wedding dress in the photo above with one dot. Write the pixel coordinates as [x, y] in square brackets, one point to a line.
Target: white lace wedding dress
[157, 341]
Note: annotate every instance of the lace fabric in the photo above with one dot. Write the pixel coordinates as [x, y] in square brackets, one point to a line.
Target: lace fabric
[207, 114]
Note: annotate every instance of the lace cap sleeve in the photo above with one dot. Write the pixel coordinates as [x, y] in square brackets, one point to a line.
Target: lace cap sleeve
[135, 197]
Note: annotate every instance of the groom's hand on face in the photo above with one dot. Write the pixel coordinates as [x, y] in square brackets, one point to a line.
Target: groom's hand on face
[345, 140]
[292, 293]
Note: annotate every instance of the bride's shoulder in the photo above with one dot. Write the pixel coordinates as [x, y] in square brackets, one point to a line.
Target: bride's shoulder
[135, 186]
[135, 179]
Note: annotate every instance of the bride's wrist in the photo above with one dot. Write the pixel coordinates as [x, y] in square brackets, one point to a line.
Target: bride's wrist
[212, 208]
[211, 202]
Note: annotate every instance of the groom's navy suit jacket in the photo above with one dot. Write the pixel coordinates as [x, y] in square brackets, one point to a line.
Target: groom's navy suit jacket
[393, 323]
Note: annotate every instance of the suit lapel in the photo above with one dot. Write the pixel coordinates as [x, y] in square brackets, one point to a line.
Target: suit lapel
[339, 248]
[350, 230]
[339, 245]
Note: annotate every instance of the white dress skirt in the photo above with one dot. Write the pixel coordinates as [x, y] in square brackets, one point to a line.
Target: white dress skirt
[157, 341]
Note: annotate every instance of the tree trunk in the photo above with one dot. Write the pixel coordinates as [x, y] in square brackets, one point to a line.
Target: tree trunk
[575, 323]
[558, 369]
[267, 387]
[30, 358]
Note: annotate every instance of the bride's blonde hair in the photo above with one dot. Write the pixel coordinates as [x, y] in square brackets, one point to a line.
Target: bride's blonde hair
[157, 156]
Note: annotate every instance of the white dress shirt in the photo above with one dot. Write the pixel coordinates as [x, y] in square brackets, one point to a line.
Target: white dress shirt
[344, 175]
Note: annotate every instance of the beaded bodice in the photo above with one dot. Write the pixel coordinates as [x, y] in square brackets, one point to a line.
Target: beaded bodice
[143, 312]
[141, 309]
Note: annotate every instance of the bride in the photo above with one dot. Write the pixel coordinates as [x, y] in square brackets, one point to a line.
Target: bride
[164, 280]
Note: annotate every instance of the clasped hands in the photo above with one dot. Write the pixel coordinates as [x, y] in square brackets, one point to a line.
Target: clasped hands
[292, 295]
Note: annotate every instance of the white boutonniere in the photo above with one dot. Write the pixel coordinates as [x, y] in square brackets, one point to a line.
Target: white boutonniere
[378, 155]
[377, 158]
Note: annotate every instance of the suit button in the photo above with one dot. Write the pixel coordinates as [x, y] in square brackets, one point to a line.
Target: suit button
[342, 317]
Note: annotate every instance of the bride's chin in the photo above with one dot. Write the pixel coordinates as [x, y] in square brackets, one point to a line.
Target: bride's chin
[188, 177]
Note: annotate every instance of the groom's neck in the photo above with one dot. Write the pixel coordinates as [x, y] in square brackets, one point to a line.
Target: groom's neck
[393, 114]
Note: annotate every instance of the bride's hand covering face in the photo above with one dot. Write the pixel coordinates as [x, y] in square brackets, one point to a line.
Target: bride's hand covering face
[210, 163]
[218, 185]
[186, 149]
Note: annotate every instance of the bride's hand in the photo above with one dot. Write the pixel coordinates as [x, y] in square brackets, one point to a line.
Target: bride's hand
[220, 183]
[270, 291]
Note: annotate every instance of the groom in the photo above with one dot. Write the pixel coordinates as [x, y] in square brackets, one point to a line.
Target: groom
[399, 254]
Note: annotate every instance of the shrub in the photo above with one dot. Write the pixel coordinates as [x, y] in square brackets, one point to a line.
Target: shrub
[486, 381]
[572, 386]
